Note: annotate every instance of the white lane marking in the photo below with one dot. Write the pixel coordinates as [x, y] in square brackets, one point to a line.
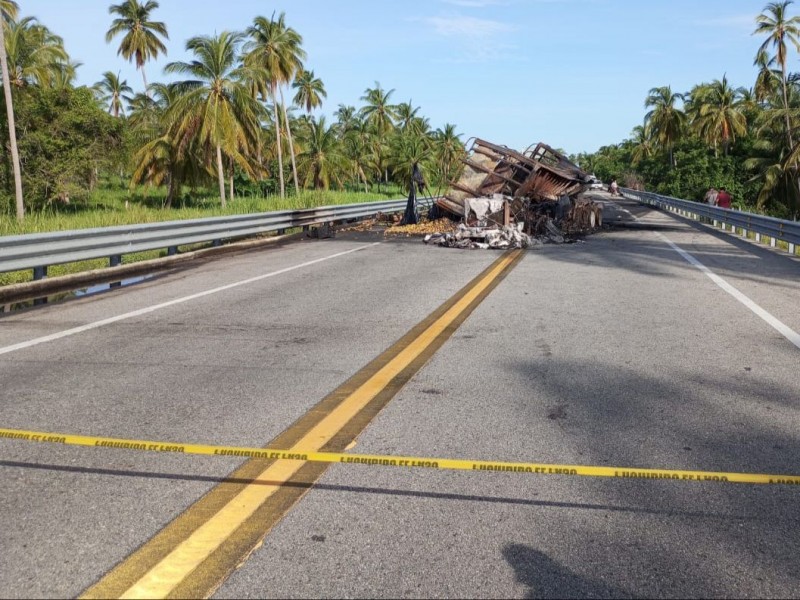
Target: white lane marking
[786, 331]
[149, 309]
[779, 326]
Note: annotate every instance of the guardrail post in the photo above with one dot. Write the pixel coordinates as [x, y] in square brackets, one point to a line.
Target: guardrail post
[758, 237]
[773, 242]
[39, 273]
[792, 249]
[115, 261]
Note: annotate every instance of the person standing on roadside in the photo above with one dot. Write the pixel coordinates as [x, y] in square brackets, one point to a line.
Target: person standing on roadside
[711, 196]
[723, 198]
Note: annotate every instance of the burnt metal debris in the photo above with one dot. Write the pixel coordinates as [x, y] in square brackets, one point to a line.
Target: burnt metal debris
[535, 193]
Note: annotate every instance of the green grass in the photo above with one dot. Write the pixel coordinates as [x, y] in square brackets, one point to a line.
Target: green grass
[112, 206]
[109, 207]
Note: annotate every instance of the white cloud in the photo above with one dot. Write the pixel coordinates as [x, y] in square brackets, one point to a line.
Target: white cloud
[467, 26]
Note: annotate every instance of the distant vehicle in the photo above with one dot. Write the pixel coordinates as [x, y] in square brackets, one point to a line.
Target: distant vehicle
[595, 183]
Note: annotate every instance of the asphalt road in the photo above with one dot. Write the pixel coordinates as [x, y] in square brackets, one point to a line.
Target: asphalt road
[610, 351]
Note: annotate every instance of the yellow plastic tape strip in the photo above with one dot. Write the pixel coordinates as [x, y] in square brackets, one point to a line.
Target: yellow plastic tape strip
[397, 461]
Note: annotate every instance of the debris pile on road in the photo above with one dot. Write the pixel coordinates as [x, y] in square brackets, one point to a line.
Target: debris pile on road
[480, 237]
[503, 195]
[424, 227]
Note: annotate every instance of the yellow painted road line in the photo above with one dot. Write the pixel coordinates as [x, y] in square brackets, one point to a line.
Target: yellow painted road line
[410, 462]
[165, 576]
[193, 554]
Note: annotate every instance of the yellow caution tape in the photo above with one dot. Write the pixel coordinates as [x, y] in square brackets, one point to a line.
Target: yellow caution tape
[396, 461]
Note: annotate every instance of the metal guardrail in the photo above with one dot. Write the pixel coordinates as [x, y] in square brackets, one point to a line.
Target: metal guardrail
[774, 229]
[38, 251]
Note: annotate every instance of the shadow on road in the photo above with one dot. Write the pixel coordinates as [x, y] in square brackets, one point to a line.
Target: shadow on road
[680, 420]
[651, 256]
[621, 508]
[546, 578]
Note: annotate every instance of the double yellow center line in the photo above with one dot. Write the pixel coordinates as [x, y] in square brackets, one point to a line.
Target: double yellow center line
[193, 555]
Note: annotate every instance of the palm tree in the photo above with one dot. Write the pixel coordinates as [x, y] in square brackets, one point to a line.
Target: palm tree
[322, 159]
[346, 118]
[449, 150]
[161, 159]
[666, 120]
[749, 105]
[378, 112]
[310, 90]
[406, 114]
[8, 11]
[693, 100]
[768, 80]
[643, 147]
[420, 126]
[379, 116]
[35, 54]
[355, 136]
[277, 49]
[720, 118]
[407, 150]
[65, 74]
[778, 29]
[112, 91]
[777, 175]
[140, 41]
[216, 107]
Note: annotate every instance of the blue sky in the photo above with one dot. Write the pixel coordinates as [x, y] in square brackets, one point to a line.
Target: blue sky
[571, 73]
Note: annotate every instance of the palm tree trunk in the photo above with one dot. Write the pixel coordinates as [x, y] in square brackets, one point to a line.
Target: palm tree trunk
[259, 158]
[230, 179]
[278, 141]
[170, 192]
[788, 122]
[144, 78]
[786, 108]
[12, 132]
[221, 176]
[291, 143]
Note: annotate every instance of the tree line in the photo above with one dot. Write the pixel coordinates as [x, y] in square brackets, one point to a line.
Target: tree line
[238, 116]
[746, 139]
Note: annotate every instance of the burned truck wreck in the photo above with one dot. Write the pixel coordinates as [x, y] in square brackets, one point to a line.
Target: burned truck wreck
[506, 198]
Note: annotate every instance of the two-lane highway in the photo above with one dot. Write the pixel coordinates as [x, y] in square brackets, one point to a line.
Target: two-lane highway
[612, 351]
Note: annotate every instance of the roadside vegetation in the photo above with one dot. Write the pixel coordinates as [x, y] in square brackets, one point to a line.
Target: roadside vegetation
[234, 129]
[746, 139]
